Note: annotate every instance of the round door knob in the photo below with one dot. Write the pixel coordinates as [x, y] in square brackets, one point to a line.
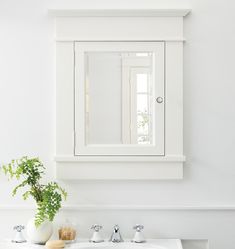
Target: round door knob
[159, 100]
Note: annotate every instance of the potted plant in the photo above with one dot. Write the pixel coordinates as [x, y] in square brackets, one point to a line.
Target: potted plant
[48, 197]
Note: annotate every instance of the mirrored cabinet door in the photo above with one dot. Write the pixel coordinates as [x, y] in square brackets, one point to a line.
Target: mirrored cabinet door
[119, 98]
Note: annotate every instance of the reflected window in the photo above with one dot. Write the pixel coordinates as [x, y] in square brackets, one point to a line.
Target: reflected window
[144, 112]
[138, 68]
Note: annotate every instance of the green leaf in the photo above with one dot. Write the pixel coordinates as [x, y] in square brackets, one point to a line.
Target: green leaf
[48, 197]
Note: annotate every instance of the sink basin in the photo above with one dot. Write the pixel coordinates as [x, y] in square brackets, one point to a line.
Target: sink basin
[150, 244]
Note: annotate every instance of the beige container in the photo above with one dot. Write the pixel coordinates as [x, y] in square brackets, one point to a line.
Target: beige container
[67, 232]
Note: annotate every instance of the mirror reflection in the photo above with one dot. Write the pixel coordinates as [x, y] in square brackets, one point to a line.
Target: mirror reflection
[119, 98]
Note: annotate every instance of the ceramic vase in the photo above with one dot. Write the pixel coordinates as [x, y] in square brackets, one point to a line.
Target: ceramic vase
[39, 235]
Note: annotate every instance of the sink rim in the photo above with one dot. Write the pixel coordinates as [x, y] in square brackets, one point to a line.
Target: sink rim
[150, 243]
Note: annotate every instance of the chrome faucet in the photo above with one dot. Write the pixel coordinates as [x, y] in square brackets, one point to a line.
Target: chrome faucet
[116, 235]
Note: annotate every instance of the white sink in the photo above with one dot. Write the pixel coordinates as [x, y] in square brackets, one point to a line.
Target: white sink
[150, 244]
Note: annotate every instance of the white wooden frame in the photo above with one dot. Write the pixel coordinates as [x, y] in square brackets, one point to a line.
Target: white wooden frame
[129, 25]
[81, 148]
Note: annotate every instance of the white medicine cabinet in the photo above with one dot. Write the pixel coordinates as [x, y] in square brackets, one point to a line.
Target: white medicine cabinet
[119, 94]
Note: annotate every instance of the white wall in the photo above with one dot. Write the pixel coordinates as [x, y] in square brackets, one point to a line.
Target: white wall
[27, 124]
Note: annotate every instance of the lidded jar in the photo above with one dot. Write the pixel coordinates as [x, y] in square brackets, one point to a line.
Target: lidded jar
[68, 232]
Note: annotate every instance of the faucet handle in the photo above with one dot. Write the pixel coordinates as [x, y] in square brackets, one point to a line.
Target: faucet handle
[138, 227]
[18, 228]
[138, 237]
[96, 237]
[96, 227]
[19, 238]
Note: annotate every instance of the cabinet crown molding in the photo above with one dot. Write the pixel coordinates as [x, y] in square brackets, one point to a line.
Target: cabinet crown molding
[119, 12]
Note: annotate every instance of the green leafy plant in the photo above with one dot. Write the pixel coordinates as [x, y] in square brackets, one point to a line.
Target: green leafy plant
[48, 197]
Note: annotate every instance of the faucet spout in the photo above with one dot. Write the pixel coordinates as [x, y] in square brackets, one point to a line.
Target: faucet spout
[116, 235]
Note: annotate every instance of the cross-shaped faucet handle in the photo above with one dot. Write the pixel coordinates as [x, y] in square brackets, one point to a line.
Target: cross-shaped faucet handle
[138, 227]
[18, 228]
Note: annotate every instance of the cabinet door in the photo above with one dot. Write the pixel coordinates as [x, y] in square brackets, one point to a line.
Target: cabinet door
[119, 98]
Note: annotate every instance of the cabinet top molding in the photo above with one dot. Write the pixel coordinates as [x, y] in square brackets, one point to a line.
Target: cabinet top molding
[119, 12]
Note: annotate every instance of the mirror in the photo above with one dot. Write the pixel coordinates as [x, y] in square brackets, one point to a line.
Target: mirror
[119, 97]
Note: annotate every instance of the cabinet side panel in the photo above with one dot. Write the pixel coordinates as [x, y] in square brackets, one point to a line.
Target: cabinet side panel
[174, 98]
[64, 98]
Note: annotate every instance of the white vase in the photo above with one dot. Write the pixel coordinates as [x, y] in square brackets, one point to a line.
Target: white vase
[41, 234]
